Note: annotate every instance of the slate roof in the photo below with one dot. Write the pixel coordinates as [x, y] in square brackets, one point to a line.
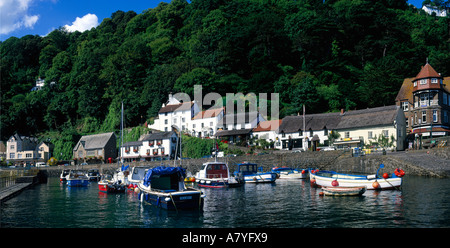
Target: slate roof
[94, 141]
[176, 107]
[157, 136]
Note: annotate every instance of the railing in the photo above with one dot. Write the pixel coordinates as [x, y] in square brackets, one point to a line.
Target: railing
[8, 176]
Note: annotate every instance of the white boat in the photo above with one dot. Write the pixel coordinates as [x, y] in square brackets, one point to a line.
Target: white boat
[63, 175]
[290, 173]
[251, 174]
[343, 191]
[107, 185]
[164, 187]
[137, 174]
[217, 175]
[334, 179]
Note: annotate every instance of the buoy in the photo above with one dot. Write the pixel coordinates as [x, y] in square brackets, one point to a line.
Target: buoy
[375, 185]
[334, 183]
[303, 171]
[321, 193]
[136, 190]
[398, 172]
[313, 182]
[385, 176]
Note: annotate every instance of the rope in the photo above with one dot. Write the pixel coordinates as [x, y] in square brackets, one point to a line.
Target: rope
[397, 188]
[175, 205]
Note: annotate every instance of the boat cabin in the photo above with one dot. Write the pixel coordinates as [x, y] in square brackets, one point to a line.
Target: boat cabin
[165, 179]
[248, 168]
[214, 170]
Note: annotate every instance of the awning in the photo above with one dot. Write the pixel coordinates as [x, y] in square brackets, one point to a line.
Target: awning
[233, 132]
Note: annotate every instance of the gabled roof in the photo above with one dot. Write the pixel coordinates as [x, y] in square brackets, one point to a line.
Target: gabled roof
[265, 126]
[208, 113]
[427, 72]
[94, 141]
[176, 107]
[157, 136]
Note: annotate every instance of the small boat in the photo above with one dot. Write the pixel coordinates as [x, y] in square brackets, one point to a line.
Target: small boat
[107, 185]
[290, 173]
[137, 174]
[64, 173]
[251, 174]
[217, 175]
[164, 187]
[334, 179]
[77, 178]
[93, 175]
[343, 191]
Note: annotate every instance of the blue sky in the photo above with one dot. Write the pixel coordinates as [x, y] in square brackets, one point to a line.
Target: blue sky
[21, 17]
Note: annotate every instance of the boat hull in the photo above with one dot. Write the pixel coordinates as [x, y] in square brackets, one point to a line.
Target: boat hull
[110, 188]
[261, 178]
[189, 199]
[289, 173]
[78, 182]
[343, 191]
[212, 183]
[344, 180]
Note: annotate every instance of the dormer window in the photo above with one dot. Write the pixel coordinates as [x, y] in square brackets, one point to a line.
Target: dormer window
[423, 81]
[434, 80]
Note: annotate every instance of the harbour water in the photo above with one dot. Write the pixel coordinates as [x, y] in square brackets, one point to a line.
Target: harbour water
[422, 203]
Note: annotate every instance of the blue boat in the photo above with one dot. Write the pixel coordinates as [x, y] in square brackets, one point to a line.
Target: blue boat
[251, 174]
[77, 178]
[164, 187]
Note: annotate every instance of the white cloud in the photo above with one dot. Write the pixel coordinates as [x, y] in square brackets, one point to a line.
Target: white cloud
[84, 23]
[14, 15]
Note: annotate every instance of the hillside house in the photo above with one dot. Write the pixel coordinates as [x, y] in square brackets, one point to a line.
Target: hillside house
[204, 124]
[425, 101]
[238, 127]
[98, 147]
[177, 113]
[150, 147]
[23, 150]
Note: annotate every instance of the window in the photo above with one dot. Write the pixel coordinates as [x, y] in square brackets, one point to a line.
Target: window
[300, 132]
[347, 134]
[424, 116]
[415, 117]
[203, 125]
[423, 81]
[370, 135]
[183, 119]
[434, 80]
[405, 106]
[325, 132]
[435, 116]
[407, 122]
[29, 155]
[165, 129]
[166, 121]
[444, 98]
[415, 83]
[11, 147]
[12, 155]
[385, 133]
[445, 116]
[211, 124]
[19, 155]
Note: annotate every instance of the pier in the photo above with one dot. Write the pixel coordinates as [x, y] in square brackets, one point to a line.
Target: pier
[12, 182]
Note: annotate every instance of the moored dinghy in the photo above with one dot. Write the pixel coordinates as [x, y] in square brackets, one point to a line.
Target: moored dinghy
[343, 191]
[290, 173]
[251, 174]
[164, 187]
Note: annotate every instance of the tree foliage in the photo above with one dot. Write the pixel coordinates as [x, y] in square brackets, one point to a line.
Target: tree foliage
[327, 55]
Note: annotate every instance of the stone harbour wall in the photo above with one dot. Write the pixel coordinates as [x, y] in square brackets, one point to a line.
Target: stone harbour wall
[433, 163]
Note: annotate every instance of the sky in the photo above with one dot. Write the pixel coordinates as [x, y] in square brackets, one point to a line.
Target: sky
[39, 17]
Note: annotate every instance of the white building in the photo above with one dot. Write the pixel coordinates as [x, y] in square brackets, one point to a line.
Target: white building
[175, 113]
[267, 130]
[204, 124]
[154, 146]
[298, 133]
[238, 127]
[441, 12]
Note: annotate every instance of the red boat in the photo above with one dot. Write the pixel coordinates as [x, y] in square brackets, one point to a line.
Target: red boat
[106, 185]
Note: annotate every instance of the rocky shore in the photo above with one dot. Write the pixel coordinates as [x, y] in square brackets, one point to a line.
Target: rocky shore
[434, 163]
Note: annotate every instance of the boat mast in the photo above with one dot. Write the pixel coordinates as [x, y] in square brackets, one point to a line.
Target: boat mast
[121, 134]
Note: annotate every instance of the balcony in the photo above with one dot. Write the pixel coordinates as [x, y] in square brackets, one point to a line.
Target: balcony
[426, 103]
